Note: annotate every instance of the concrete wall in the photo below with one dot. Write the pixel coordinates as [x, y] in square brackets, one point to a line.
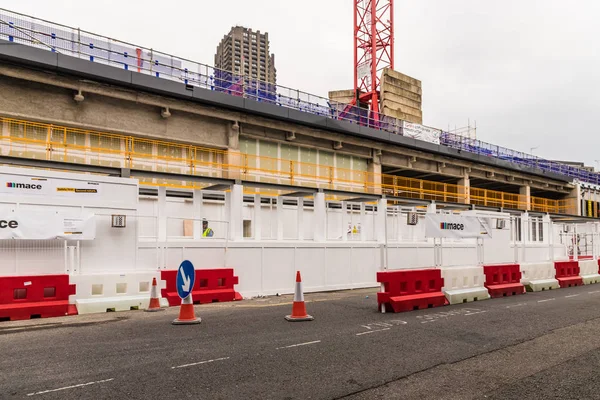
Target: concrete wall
[30, 100]
[401, 96]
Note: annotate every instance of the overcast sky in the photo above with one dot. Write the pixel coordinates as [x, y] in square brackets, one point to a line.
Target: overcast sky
[528, 71]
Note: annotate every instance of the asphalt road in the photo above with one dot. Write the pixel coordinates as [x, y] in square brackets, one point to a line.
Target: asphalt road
[537, 345]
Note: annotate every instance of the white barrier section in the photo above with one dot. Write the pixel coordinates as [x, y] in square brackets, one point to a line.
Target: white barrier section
[114, 292]
[464, 284]
[589, 271]
[537, 277]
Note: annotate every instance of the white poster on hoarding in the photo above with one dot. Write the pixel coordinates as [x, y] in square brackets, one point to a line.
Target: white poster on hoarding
[46, 225]
[456, 226]
[79, 228]
[421, 132]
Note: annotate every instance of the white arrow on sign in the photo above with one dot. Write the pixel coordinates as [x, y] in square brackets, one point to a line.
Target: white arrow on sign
[186, 281]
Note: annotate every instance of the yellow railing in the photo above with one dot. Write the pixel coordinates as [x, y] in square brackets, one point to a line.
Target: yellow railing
[45, 141]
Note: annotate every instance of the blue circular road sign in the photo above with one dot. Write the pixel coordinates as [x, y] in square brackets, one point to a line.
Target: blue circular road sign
[186, 275]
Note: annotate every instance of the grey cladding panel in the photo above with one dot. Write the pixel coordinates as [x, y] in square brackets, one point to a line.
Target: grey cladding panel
[218, 98]
[164, 86]
[375, 134]
[28, 55]
[82, 67]
[306, 118]
[267, 109]
[343, 126]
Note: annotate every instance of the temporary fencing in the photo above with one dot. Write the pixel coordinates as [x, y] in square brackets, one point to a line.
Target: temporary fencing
[210, 286]
[405, 290]
[537, 277]
[464, 284]
[35, 296]
[589, 271]
[567, 273]
[113, 292]
[503, 280]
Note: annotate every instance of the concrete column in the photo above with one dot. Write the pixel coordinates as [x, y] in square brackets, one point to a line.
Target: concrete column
[320, 217]
[233, 158]
[549, 235]
[300, 224]
[236, 220]
[344, 222]
[363, 222]
[525, 228]
[374, 174]
[575, 200]
[233, 165]
[256, 223]
[432, 208]
[162, 214]
[526, 191]
[197, 205]
[380, 220]
[279, 218]
[464, 190]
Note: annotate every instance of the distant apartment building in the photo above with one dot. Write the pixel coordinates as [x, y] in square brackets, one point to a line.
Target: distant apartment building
[246, 52]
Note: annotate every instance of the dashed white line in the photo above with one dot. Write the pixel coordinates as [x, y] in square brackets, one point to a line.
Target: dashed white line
[200, 362]
[297, 345]
[542, 301]
[378, 330]
[517, 305]
[474, 313]
[71, 387]
[572, 295]
[595, 291]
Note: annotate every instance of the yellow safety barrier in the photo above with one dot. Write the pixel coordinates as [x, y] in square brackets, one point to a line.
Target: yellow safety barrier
[28, 139]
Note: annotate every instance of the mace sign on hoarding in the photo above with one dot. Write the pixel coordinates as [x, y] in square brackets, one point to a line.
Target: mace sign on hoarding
[456, 226]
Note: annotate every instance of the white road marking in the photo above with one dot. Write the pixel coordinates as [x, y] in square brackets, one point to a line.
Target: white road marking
[200, 362]
[517, 305]
[542, 301]
[595, 291]
[299, 344]
[71, 387]
[378, 330]
[572, 295]
[474, 313]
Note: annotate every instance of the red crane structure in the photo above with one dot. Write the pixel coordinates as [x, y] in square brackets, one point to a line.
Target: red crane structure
[373, 50]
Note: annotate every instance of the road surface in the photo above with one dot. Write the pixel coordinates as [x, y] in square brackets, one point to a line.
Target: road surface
[537, 345]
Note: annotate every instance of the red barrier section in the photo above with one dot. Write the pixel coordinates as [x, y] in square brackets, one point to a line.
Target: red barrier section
[503, 280]
[211, 285]
[413, 289]
[42, 296]
[567, 273]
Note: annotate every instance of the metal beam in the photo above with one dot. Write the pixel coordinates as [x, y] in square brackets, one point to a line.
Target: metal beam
[218, 187]
[303, 193]
[36, 163]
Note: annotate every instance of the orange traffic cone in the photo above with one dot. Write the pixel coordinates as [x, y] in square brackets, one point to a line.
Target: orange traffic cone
[299, 308]
[154, 299]
[187, 316]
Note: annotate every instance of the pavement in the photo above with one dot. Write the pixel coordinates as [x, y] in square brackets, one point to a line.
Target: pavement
[536, 345]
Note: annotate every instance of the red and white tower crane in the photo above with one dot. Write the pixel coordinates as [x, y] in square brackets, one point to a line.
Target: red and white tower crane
[373, 50]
